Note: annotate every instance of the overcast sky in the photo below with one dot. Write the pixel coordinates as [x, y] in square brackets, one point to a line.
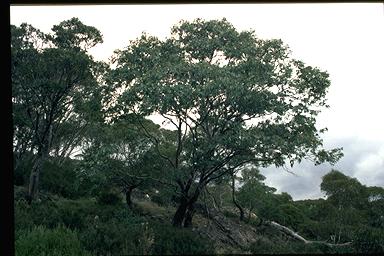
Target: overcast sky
[347, 40]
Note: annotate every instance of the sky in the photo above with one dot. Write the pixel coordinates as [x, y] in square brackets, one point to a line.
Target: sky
[345, 39]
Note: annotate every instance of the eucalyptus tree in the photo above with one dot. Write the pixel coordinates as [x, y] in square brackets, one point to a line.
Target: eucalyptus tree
[252, 192]
[120, 155]
[53, 81]
[349, 197]
[231, 97]
[342, 190]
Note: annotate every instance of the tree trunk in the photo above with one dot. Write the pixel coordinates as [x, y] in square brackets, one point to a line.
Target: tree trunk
[184, 213]
[128, 196]
[42, 155]
[178, 218]
[250, 213]
[35, 175]
[300, 238]
[234, 199]
[189, 215]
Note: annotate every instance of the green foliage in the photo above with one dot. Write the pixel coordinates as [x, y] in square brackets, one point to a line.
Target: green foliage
[219, 195]
[266, 246]
[54, 85]
[291, 216]
[121, 235]
[314, 230]
[343, 190]
[71, 213]
[73, 34]
[253, 193]
[61, 178]
[208, 80]
[108, 198]
[175, 241]
[119, 155]
[57, 178]
[41, 241]
[275, 245]
[23, 219]
[19, 193]
[163, 196]
[22, 168]
[43, 213]
[149, 208]
[369, 240]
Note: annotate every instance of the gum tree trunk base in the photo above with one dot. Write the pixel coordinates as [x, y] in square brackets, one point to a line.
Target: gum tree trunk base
[128, 198]
[34, 179]
[179, 217]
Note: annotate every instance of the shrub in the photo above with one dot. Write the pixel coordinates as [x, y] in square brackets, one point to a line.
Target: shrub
[19, 193]
[125, 234]
[277, 246]
[78, 213]
[149, 208]
[315, 230]
[266, 246]
[43, 213]
[108, 198]
[176, 241]
[163, 197]
[369, 240]
[55, 242]
[60, 179]
[72, 217]
[22, 215]
[291, 216]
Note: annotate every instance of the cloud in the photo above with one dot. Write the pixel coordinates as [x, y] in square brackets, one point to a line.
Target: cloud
[342, 44]
[363, 159]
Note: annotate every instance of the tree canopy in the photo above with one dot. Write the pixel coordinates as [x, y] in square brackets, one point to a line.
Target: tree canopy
[232, 98]
[55, 83]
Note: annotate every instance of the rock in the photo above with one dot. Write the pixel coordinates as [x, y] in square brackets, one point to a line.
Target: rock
[228, 231]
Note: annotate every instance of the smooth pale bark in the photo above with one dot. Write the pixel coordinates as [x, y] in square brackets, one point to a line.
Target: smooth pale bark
[293, 234]
[235, 201]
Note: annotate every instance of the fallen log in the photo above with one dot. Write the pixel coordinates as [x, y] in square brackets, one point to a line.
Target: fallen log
[293, 234]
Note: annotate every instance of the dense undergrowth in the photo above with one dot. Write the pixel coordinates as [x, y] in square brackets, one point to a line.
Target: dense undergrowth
[77, 221]
[86, 226]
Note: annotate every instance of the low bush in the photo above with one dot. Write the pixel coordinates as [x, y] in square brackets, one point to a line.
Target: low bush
[369, 240]
[273, 245]
[42, 241]
[43, 213]
[108, 198]
[149, 208]
[266, 246]
[122, 235]
[175, 241]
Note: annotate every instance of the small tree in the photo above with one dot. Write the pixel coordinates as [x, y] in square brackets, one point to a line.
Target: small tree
[120, 155]
[342, 190]
[53, 78]
[348, 196]
[231, 97]
[253, 192]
